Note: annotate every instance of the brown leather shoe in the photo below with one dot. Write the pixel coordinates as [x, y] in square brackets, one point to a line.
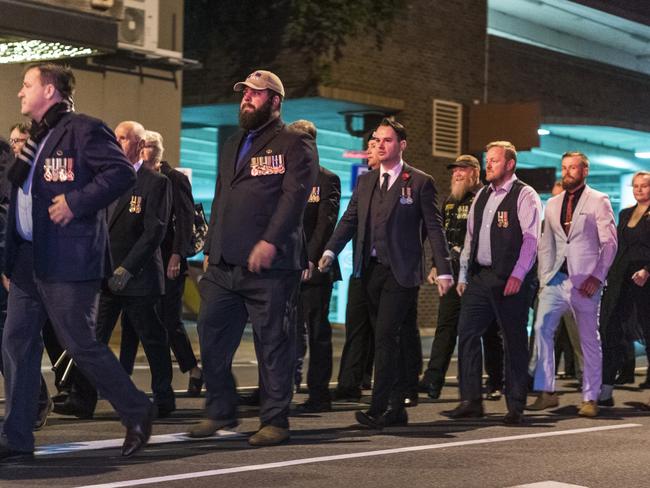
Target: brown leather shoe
[269, 435]
[138, 435]
[208, 427]
[588, 409]
[544, 401]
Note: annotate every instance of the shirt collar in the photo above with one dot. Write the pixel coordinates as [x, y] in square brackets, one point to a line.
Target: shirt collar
[394, 172]
[507, 186]
[137, 165]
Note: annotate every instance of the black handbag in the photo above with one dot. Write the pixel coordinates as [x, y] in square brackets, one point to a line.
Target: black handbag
[199, 231]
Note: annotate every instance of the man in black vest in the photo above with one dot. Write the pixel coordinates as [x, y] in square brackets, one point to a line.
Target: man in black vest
[387, 212]
[254, 259]
[495, 280]
[465, 182]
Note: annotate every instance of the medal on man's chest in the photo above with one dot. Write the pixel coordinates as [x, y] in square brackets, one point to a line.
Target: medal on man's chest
[407, 196]
[314, 196]
[267, 165]
[135, 205]
[58, 169]
[502, 219]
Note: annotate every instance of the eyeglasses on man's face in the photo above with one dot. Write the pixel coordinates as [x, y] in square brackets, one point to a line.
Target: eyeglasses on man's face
[19, 140]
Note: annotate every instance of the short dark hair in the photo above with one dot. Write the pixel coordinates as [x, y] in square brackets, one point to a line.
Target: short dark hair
[573, 154]
[59, 75]
[399, 129]
[23, 127]
[305, 126]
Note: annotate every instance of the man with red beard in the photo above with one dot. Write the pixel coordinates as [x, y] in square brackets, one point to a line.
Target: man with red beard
[465, 183]
[254, 256]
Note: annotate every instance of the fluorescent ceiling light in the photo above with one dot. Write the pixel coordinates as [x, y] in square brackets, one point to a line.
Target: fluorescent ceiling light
[35, 50]
[642, 154]
[543, 132]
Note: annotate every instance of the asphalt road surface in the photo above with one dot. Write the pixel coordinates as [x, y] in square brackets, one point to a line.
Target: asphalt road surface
[554, 449]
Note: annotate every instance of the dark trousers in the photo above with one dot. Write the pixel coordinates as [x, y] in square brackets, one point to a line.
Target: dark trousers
[313, 315]
[389, 308]
[359, 339]
[444, 343]
[411, 346]
[170, 310]
[140, 311]
[72, 308]
[229, 296]
[482, 304]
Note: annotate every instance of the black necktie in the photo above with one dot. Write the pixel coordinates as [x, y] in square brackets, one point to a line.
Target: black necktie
[384, 184]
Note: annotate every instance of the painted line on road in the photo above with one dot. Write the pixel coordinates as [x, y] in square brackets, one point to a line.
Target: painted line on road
[69, 447]
[339, 457]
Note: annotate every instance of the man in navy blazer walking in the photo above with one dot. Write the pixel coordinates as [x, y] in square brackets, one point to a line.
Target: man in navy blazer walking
[69, 171]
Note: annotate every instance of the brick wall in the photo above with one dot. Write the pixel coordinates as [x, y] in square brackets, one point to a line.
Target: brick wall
[571, 90]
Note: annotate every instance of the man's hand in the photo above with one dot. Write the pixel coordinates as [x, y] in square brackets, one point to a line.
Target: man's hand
[59, 211]
[206, 263]
[460, 288]
[174, 266]
[261, 257]
[589, 286]
[640, 277]
[120, 278]
[308, 272]
[444, 285]
[5, 282]
[432, 279]
[513, 285]
[325, 263]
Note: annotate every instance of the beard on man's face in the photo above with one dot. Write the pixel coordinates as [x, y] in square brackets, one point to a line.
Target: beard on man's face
[569, 183]
[258, 117]
[459, 188]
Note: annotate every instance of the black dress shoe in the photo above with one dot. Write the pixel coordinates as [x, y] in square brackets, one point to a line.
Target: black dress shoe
[624, 379]
[11, 455]
[195, 386]
[76, 406]
[514, 417]
[466, 409]
[606, 402]
[251, 400]
[43, 412]
[347, 395]
[165, 411]
[370, 420]
[397, 416]
[313, 406]
[645, 384]
[493, 395]
[138, 435]
[411, 400]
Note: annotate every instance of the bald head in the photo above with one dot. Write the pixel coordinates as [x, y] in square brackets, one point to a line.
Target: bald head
[130, 136]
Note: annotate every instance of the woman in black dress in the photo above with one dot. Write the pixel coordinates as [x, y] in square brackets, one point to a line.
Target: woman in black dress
[625, 306]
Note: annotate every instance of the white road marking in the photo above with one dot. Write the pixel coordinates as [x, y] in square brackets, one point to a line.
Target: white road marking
[548, 484]
[339, 457]
[116, 443]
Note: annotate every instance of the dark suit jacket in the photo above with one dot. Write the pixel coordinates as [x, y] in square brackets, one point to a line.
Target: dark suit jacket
[137, 225]
[78, 251]
[321, 215]
[179, 228]
[407, 226]
[265, 199]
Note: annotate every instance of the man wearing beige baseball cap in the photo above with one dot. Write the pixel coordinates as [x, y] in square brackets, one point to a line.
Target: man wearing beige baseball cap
[254, 258]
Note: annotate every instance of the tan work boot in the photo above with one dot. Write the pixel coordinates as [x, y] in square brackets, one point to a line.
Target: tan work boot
[544, 401]
[269, 435]
[588, 409]
[208, 427]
